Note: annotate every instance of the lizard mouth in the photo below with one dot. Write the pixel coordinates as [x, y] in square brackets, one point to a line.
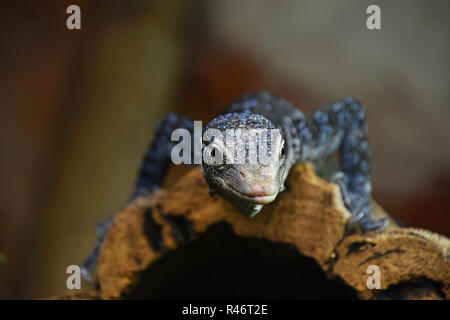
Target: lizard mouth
[263, 199]
[256, 197]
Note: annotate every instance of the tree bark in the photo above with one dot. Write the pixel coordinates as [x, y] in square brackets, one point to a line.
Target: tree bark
[152, 244]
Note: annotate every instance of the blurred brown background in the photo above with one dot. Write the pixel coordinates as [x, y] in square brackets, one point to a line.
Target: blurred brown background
[78, 108]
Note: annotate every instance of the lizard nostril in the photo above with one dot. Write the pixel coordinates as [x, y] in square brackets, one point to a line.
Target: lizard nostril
[242, 174]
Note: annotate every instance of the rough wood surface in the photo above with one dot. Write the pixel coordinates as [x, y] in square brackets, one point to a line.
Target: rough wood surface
[309, 215]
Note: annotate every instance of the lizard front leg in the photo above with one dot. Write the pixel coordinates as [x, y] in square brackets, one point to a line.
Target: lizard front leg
[341, 126]
[153, 170]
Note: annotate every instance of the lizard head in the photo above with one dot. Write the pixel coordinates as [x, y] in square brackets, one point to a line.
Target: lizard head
[244, 161]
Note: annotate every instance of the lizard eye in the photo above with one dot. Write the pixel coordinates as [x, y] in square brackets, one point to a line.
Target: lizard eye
[217, 151]
[283, 152]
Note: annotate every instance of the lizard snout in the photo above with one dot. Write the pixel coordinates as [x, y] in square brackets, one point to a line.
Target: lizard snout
[263, 192]
[261, 189]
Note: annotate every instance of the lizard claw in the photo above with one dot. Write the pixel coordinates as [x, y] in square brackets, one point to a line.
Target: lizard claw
[340, 179]
[367, 224]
